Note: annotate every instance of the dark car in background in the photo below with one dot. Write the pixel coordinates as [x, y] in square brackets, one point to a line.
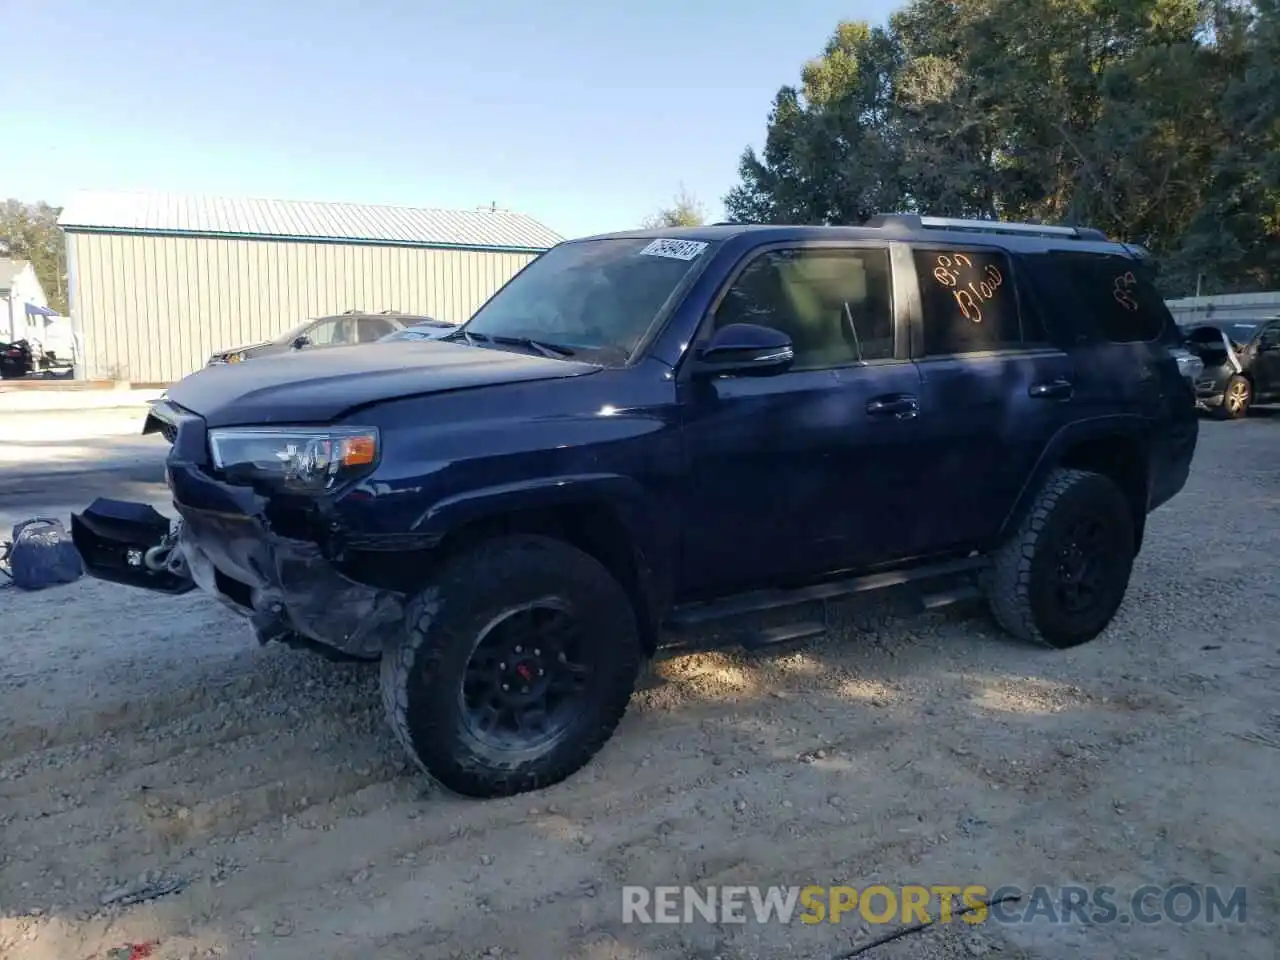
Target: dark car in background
[1241, 364]
[338, 330]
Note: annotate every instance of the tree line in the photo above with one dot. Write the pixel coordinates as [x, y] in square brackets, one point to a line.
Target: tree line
[1157, 121]
[29, 231]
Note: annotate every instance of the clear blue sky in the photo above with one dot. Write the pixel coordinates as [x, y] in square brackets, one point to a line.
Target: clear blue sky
[587, 115]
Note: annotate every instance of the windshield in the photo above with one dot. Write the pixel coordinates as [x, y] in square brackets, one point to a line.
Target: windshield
[430, 330]
[591, 295]
[293, 332]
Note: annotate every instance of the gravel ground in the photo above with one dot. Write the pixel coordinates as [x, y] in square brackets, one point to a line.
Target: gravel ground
[149, 746]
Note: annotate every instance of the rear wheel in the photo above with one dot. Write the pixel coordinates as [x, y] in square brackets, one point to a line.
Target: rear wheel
[515, 667]
[1236, 398]
[1061, 578]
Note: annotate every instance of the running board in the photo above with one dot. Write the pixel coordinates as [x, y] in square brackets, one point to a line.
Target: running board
[697, 614]
[945, 598]
[682, 643]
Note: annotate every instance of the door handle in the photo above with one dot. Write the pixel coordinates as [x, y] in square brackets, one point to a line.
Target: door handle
[1051, 390]
[902, 406]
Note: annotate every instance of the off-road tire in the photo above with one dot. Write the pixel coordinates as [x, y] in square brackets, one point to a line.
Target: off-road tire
[422, 675]
[1237, 386]
[1020, 585]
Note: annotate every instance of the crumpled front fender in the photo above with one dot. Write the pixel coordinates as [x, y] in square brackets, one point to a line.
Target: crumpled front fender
[285, 585]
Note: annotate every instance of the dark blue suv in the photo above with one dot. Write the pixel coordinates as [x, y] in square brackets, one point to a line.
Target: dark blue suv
[645, 431]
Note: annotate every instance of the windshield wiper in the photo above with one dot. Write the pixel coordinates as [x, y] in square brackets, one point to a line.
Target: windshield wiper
[466, 335]
[553, 350]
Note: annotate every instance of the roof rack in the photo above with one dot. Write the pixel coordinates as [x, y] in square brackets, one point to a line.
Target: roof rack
[912, 221]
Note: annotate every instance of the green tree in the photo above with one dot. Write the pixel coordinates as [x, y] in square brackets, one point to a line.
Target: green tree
[1233, 240]
[829, 154]
[29, 231]
[685, 211]
[1157, 121]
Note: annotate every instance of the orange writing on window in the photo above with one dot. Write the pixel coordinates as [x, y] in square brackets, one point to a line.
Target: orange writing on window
[970, 287]
[1122, 290]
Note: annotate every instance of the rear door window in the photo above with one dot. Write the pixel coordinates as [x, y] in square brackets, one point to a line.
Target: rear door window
[969, 304]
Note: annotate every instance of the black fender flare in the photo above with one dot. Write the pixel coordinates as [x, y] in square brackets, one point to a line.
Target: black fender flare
[652, 533]
[1127, 427]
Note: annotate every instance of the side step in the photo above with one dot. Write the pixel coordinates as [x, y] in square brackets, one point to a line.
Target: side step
[787, 632]
[761, 600]
[683, 626]
[687, 641]
[945, 598]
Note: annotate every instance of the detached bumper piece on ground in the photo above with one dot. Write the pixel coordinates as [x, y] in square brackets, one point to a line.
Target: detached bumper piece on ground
[129, 543]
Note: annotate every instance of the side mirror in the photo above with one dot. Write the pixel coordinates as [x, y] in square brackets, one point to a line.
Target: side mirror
[301, 341]
[745, 349]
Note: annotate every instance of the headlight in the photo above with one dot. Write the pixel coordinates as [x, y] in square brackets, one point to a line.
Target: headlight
[295, 459]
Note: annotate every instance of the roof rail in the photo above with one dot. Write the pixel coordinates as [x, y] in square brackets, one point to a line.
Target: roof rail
[913, 221]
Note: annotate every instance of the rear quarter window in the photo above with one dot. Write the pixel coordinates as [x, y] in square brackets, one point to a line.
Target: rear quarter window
[1112, 297]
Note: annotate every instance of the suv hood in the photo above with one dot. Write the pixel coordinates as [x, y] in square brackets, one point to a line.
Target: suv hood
[319, 386]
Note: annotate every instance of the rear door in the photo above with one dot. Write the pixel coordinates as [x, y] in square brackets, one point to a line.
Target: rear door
[994, 391]
[1124, 329]
[1124, 333]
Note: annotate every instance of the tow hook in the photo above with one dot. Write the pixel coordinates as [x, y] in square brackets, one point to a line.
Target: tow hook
[131, 543]
[165, 557]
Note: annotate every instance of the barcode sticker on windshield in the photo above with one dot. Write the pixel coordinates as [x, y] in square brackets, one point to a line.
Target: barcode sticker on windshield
[675, 249]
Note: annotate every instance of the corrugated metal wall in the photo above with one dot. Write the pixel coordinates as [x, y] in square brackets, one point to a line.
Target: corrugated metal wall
[151, 309]
[1230, 306]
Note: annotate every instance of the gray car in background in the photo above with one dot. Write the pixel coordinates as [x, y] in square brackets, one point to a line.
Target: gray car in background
[338, 330]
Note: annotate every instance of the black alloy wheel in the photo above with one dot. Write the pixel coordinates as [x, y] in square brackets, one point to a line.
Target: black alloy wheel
[527, 676]
[1083, 563]
[516, 664]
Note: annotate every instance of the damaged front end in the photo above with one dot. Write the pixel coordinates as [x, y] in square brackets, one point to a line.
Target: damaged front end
[229, 544]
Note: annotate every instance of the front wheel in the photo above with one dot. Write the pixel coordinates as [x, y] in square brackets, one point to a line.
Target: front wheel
[515, 667]
[1061, 578]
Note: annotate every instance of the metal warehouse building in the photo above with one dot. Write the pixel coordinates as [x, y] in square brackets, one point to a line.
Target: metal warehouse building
[159, 282]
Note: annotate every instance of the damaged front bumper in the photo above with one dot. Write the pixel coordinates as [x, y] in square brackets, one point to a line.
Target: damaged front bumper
[287, 588]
